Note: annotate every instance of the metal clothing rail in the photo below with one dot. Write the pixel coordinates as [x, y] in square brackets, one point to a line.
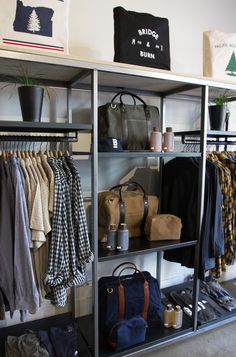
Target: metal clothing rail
[39, 138]
[213, 137]
[209, 142]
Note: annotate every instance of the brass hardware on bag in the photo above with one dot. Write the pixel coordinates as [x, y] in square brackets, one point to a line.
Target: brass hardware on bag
[110, 290]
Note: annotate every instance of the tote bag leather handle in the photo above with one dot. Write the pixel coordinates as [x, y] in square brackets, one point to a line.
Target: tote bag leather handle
[130, 265]
[122, 204]
[121, 293]
[134, 96]
[127, 184]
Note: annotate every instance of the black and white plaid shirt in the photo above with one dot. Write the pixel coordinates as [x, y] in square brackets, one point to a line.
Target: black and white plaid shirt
[69, 244]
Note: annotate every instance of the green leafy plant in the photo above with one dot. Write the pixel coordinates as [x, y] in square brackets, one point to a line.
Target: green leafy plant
[221, 100]
[24, 79]
[20, 77]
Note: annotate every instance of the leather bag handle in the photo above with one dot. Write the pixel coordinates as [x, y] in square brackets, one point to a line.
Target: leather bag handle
[121, 293]
[131, 265]
[134, 96]
[122, 204]
[127, 184]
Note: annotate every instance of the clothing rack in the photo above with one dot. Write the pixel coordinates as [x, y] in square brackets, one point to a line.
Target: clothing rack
[41, 138]
[54, 132]
[213, 137]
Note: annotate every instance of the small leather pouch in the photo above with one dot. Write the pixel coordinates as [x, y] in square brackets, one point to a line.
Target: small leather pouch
[163, 227]
[127, 333]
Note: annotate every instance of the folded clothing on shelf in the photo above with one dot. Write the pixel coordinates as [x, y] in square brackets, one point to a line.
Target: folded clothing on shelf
[207, 308]
[52, 343]
[220, 295]
[25, 345]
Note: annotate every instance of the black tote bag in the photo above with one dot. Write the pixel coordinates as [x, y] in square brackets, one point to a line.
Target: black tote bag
[141, 39]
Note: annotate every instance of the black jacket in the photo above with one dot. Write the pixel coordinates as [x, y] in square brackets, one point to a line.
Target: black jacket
[180, 197]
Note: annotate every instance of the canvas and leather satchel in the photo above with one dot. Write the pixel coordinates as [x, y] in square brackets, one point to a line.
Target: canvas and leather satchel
[127, 333]
[130, 123]
[125, 296]
[122, 205]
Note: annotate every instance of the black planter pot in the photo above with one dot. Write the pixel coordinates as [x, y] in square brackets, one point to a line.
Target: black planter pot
[217, 117]
[31, 101]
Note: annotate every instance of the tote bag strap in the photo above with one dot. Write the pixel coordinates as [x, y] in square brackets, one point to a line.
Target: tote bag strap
[134, 96]
[129, 265]
[121, 294]
[122, 204]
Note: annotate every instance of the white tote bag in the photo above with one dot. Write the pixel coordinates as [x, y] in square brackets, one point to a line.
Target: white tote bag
[219, 59]
[40, 25]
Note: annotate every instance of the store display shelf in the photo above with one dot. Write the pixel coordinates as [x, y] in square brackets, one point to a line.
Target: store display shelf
[140, 245]
[146, 153]
[228, 316]
[41, 127]
[62, 321]
[157, 335]
[68, 71]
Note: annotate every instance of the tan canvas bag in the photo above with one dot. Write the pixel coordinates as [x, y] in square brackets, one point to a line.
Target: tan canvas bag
[109, 210]
[219, 60]
[163, 227]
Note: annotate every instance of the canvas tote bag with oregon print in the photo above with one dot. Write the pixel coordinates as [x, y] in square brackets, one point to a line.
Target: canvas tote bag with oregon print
[219, 55]
[39, 25]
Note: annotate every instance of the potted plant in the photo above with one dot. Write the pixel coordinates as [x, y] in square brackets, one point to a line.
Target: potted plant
[30, 96]
[218, 112]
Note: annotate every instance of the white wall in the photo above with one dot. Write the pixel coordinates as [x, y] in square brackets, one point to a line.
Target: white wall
[91, 27]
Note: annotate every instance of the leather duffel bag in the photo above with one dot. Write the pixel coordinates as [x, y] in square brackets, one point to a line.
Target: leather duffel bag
[130, 123]
[132, 207]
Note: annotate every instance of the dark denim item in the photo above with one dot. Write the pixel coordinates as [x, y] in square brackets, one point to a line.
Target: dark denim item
[59, 342]
[127, 333]
[218, 294]
[45, 342]
[207, 309]
[64, 342]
